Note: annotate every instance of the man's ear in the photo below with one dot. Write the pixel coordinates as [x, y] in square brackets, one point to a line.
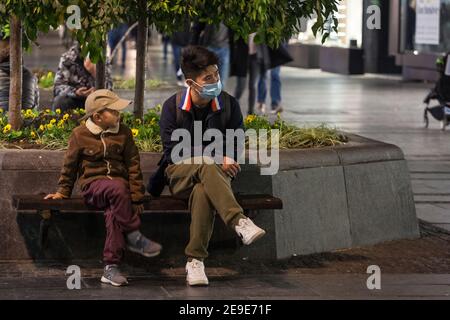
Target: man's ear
[189, 82]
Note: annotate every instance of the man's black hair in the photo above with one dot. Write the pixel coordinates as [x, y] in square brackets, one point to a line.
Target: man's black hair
[195, 59]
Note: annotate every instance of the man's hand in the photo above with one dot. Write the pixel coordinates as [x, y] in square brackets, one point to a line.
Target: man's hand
[54, 196]
[84, 92]
[90, 67]
[138, 209]
[230, 167]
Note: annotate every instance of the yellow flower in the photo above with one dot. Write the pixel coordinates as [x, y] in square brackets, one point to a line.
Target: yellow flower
[7, 128]
[60, 123]
[41, 127]
[58, 111]
[138, 121]
[50, 126]
[1, 110]
[48, 110]
[82, 111]
[135, 132]
[29, 114]
[33, 134]
[250, 118]
[53, 121]
[66, 116]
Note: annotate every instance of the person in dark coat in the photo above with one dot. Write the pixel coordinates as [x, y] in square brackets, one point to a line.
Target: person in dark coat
[179, 40]
[217, 39]
[30, 89]
[441, 90]
[206, 185]
[244, 62]
[441, 93]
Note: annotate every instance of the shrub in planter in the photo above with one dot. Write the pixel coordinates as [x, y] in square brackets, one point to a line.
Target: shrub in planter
[51, 129]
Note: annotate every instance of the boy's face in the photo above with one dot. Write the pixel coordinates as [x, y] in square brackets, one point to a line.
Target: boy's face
[107, 118]
[208, 76]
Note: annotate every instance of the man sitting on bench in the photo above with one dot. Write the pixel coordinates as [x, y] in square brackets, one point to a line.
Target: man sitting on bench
[103, 155]
[208, 186]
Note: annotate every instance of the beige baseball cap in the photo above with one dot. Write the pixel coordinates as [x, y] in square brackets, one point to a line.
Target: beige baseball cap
[103, 99]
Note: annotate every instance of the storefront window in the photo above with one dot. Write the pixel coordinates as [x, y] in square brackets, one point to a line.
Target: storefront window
[349, 27]
[425, 26]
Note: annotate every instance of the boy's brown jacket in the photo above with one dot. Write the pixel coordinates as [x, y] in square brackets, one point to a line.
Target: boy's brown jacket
[96, 154]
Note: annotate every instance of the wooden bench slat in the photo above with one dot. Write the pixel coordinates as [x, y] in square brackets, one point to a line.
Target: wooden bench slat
[162, 204]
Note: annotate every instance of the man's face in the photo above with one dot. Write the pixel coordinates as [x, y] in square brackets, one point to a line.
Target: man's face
[208, 76]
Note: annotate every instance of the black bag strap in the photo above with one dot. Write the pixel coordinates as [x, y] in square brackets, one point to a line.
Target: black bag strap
[178, 110]
[225, 115]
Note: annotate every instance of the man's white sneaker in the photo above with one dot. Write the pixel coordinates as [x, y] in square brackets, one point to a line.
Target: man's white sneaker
[248, 231]
[196, 273]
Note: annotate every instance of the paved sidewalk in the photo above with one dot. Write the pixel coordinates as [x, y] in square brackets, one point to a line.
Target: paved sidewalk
[49, 282]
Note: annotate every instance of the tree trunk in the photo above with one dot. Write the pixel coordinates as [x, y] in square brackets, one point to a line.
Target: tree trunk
[141, 54]
[15, 88]
[100, 73]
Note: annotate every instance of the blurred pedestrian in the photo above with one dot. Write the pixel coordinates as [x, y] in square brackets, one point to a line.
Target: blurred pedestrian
[272, 60]
[244, 62]
[217, 39]
[114, 36]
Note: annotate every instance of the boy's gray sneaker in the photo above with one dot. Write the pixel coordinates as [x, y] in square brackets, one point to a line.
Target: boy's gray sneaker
[113, 276]
[144, 246]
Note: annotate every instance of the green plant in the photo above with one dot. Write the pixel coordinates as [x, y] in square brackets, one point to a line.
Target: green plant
[47, 80]
[293, 137]
[129, 84]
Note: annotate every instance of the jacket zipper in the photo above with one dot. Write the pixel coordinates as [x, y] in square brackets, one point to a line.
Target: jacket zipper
[108, 165]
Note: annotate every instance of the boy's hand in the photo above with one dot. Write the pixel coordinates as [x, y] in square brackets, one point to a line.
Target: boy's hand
[138, 209]
[56, 195]
[230, 167]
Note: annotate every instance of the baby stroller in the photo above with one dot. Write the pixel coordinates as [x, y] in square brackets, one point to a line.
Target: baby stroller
[441, 93]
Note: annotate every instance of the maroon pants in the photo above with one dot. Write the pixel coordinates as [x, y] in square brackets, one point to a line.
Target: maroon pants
[113, 196]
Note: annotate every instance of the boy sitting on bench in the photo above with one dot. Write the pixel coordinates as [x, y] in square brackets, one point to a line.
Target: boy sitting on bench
[103, 156]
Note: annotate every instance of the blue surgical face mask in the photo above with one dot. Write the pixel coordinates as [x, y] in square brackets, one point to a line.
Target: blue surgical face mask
[210, 91]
